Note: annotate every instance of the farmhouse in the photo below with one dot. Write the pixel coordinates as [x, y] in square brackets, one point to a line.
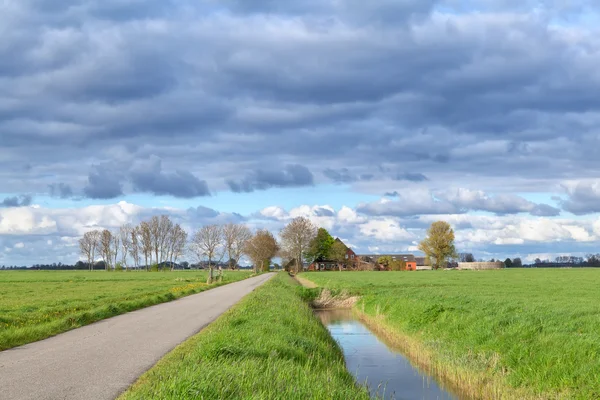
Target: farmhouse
[328, 265]
[409, 259]
[422, 264]
[480, 265]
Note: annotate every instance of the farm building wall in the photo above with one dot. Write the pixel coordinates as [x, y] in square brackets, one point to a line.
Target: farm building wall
[481, 265]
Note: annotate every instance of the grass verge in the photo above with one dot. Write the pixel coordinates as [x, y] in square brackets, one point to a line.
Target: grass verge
[35, 305]
[509, 334]
[269, 346]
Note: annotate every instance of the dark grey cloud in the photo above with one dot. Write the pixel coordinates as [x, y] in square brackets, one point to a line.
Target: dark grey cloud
[504, 102]
[544, 210]
[342, 175]
[459, 201]
[203, 212]
[323, 212]
[61, 190]
[411, 176]
[583, 198]
[103, 184]
[292, 175]
[16, 201]
[149, 177]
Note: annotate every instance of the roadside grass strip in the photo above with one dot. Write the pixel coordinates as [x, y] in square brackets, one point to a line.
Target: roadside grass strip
[269, 346]
[35, 305]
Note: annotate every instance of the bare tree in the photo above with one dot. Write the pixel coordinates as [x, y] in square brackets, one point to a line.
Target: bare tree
[176, 242]
[125, 234]
[208, 243]
[165, 229]
[95, 240]
[135, 245]
[105, 248]
[236, 236]
[181, 238]
[85, 248]
[155, 235]
[260, 248]
[296, 238]
[114, 249]
[145, 240]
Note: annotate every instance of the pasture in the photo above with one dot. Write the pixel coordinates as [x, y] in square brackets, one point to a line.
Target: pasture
[497, 334]
[37, 304]
[269, 346]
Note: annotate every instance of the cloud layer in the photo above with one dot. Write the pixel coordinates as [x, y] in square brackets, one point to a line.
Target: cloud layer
[471, 109]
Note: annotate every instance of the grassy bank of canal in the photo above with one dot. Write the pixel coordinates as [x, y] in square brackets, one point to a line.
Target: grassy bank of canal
[495, 334]
[269, 346]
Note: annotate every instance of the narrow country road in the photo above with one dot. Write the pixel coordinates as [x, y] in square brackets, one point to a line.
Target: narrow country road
[101, 360]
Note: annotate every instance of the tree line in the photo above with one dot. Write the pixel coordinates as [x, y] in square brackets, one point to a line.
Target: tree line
[160, 241]
[156, 241]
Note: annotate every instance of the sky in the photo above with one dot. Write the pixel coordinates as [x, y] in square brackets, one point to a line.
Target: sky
[373, 119]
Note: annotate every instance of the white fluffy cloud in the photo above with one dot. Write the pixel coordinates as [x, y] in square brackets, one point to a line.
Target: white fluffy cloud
[33, 234]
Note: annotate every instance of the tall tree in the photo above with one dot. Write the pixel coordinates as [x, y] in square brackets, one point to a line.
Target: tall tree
[438, 246]
[517, 263]
[236, 236]
[508, 263]
[261, 248]
[209, 243]
[106, 242]
[135, 246]
[145, 231]
[296, 238]
[95, 240]
[125, 234]
[466, 257]
[114, 249]
[165, 228]
[338, 253]
[86, 247]
[156, 236]
[177, 242]
[320, 247]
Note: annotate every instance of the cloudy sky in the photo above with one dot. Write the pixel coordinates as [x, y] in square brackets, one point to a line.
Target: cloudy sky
[373, 119]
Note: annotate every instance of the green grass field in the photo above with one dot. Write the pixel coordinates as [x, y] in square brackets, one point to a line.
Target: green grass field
[37, 304]
[269, 346]
[534, 332]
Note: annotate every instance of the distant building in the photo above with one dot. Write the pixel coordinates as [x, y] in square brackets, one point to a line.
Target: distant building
[422, 264]
[481, 265]
[329, 265]
[409, 259]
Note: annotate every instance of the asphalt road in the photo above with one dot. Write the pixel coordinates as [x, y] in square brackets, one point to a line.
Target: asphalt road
[101, 360]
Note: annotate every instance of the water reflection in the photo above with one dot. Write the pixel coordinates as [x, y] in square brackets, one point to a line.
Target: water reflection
[387, 373]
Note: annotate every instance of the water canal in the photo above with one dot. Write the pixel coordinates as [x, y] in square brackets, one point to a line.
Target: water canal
[387, 373]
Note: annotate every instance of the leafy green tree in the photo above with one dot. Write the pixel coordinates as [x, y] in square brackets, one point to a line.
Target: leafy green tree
[508, 263]
[397, 265]
[337, 253]
[385, 261]
[320, 247]
[266, 265]
[393, 265]
[517, 263]
[438, 246]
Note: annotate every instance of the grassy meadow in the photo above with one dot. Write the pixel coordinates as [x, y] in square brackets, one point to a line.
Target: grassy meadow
[37, 304]
[497, 334]
[269, 346]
